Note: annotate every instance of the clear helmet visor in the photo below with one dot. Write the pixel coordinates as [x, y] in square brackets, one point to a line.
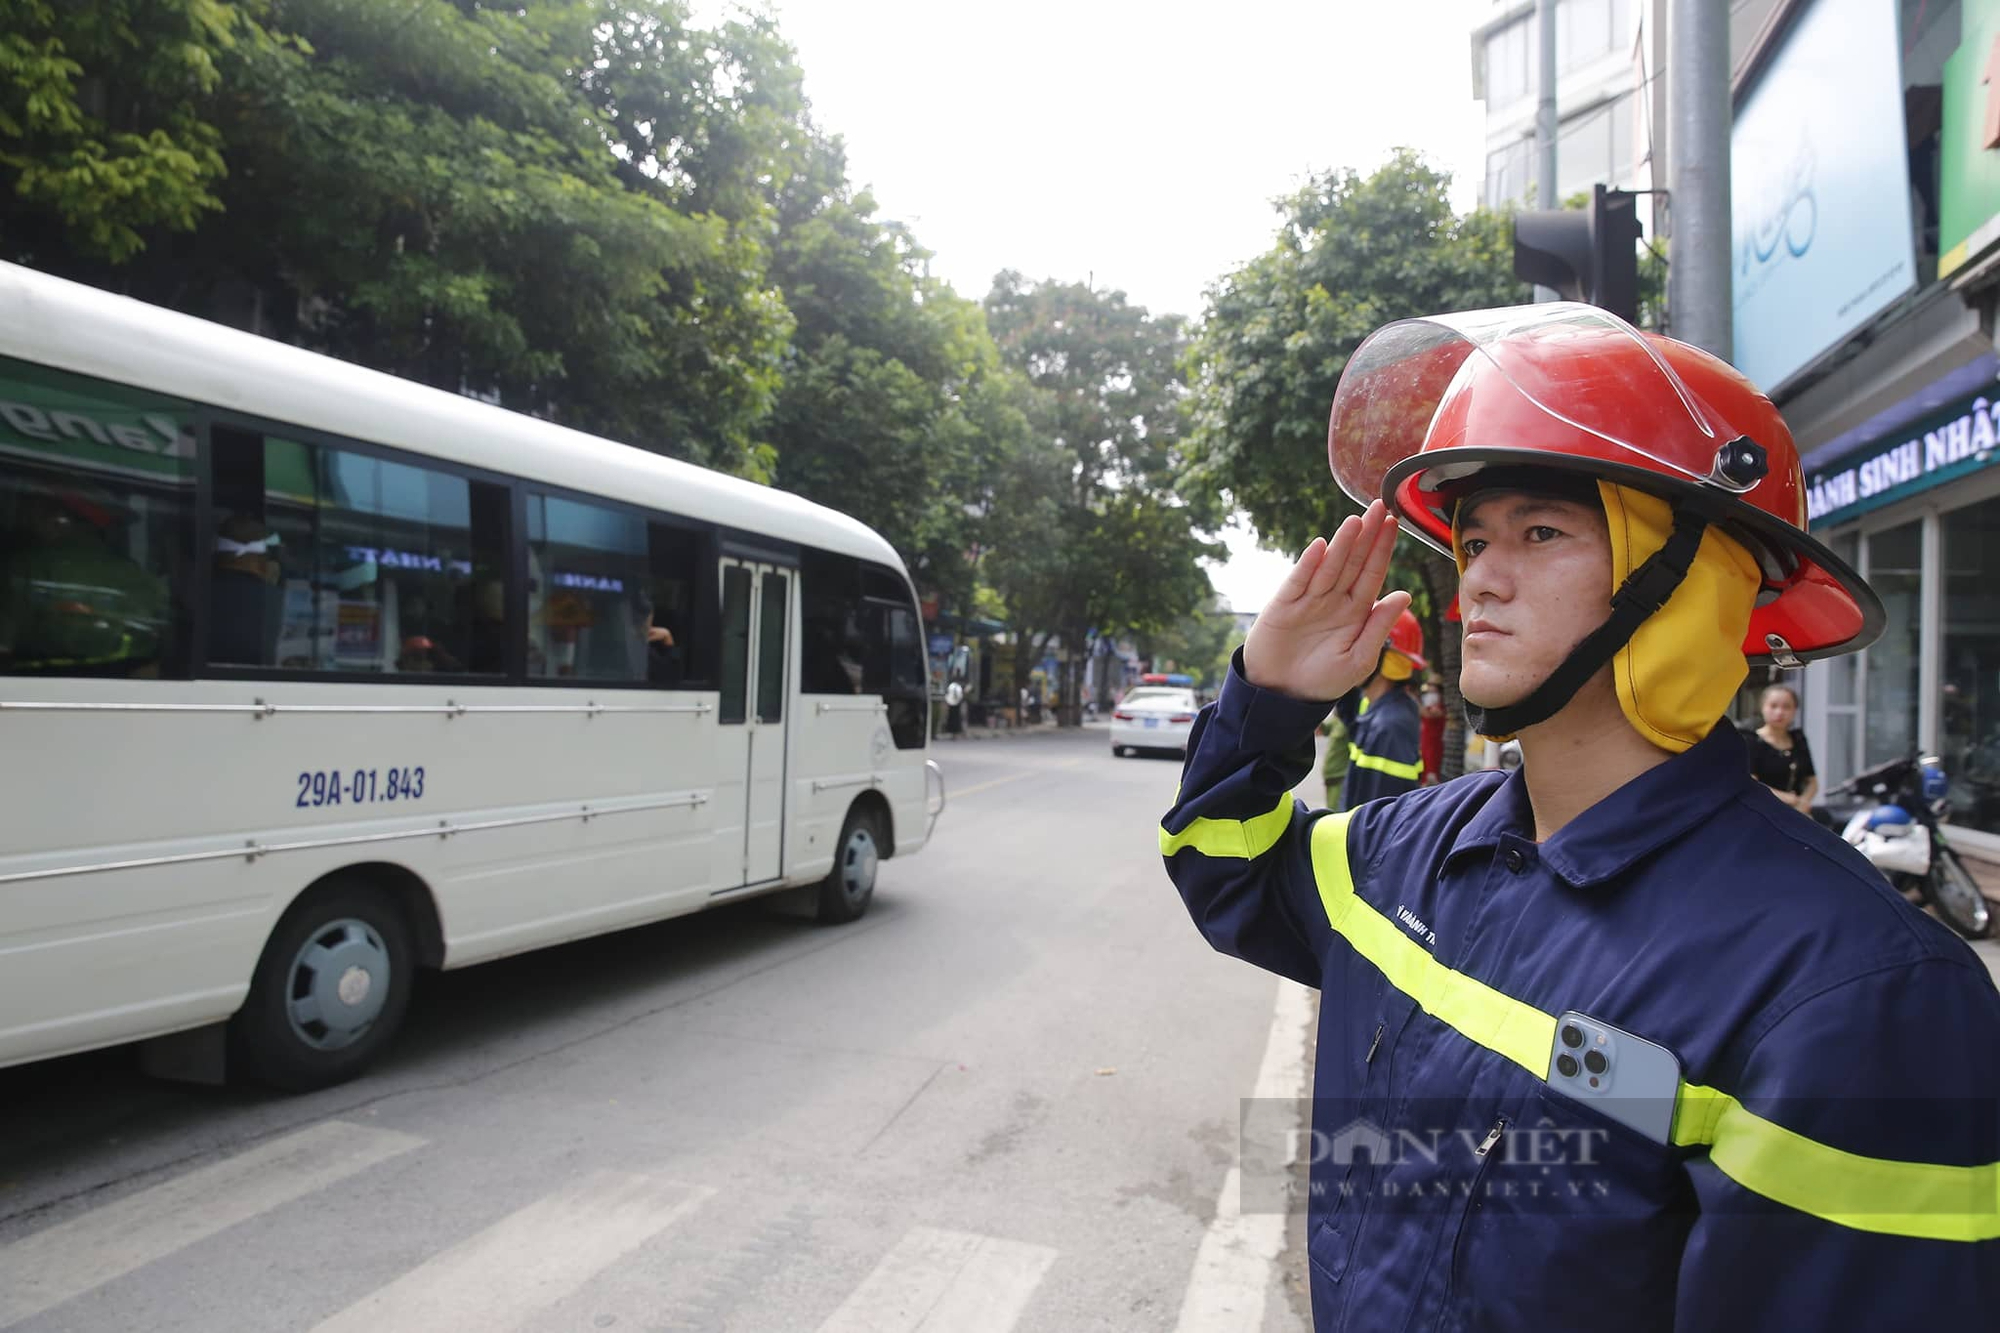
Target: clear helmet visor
[1563, 378]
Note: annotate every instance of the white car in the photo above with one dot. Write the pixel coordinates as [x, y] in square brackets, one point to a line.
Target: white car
[1153, 717]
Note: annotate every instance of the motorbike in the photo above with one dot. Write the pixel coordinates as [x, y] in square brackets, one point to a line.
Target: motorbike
[1892, 813]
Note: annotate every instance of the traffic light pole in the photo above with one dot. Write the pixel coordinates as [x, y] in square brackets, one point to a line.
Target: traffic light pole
[1545, 120]
[1699, 308]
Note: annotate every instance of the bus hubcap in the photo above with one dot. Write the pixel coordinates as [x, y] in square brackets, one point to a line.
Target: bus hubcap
[857, 875]
[339, 980]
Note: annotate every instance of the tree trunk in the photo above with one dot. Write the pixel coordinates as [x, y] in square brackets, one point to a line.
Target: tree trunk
[1441, 581]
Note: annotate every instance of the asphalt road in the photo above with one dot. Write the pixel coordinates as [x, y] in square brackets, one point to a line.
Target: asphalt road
[1005, 1099]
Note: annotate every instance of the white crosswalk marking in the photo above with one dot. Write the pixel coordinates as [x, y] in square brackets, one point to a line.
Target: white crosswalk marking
[944, 1282]
[43, 1270]
[514, 1270]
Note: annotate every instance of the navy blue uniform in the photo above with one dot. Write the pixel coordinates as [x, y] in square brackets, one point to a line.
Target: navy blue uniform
[1834, 1160]
[1385, 746]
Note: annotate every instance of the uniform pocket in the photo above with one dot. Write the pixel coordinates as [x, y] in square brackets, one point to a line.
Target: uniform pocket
[1589, 1215]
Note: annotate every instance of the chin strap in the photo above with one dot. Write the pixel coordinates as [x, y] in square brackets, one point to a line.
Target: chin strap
[1645, 590]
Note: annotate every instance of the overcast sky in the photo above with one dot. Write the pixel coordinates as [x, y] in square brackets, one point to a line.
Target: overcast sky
[1137, 145]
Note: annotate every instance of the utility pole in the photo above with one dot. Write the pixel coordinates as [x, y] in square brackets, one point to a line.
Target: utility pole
[1545, 119]
[1699, 116]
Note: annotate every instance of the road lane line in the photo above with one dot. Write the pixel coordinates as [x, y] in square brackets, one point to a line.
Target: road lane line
[944, 1282]
[514, 1270]
[49, 1267]
[1239, 1254]
[963, 792]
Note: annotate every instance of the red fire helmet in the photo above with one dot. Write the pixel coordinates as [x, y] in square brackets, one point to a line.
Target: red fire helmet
[1406, 636]
[1426, 405]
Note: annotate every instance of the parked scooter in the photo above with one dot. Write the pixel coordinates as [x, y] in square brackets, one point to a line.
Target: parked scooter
[1892, 813]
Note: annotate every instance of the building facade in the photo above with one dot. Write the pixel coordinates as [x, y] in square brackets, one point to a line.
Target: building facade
[1606, 58]
[1865, 271]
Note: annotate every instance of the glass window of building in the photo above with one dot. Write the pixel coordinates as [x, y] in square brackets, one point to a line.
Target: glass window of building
[97, 491]
[1842, 759]
[1595, 147]
[328, 559]
[588, 609]
[1589, 30]
[1507, 172]
[1895, 570]
[1969, 715]
[1508, 61]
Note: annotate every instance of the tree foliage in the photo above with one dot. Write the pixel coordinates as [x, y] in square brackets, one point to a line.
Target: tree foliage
[896, 405]
[1198, 644]
[102, 131]
[1091, 529]
[1352, 253]
[597, 211]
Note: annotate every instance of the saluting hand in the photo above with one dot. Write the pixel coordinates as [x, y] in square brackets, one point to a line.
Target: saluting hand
[1322, 632]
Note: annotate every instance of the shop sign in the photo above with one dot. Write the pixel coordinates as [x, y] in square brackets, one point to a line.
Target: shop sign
[1941, 448]
[1820, 235]
[1969, 149]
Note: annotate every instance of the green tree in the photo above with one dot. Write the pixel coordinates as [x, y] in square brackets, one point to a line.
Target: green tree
[895, 406]
[441, 189]
[1089, 531]
[104, 131]
[1352, 253]
[1198, 644]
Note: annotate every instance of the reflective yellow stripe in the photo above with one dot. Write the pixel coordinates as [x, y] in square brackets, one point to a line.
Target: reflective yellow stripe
[1357, 759]
[1500, 1023]
[1242, 839]
[1920, 1199]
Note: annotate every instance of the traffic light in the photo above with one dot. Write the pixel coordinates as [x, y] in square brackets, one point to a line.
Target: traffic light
[1586, 254]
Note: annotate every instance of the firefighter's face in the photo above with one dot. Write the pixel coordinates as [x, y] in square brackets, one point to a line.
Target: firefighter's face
[1537, 580]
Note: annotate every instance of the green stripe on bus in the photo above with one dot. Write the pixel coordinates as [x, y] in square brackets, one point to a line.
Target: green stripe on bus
[1238, 839]
[1918, 1199]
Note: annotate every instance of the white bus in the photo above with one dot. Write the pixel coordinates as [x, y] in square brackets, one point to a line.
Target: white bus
[311, 677]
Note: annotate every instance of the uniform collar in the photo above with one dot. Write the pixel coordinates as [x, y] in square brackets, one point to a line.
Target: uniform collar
[1639, 818]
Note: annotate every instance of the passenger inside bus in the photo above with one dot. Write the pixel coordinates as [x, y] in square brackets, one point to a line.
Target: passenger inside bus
[70, 600]
[666, 661]
[245, 603]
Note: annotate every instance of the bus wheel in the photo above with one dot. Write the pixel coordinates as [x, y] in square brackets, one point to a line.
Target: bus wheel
[844, 894]
[329, 992]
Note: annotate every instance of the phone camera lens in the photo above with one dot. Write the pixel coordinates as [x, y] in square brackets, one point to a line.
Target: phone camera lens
[1572, 1035]
[1595, 1062]
[1566, 1065]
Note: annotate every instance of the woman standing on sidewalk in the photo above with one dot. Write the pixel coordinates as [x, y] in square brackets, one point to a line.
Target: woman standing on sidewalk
[1778, 755]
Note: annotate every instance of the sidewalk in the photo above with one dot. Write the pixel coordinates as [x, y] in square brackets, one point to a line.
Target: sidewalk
[1046, 727]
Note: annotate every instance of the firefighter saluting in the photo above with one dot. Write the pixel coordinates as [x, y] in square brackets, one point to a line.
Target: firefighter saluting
[1384, 728]
[1630, 1044]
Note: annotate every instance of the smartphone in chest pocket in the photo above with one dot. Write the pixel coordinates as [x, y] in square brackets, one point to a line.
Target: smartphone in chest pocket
[1633, 1081]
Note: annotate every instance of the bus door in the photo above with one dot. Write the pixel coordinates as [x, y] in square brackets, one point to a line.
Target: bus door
[750, 791]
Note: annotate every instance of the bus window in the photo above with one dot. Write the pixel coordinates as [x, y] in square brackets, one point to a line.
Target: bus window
[328, 559]
[735, 643]
[771, 649]
[862, 636]
[96, 523]
[589, 567]
[680, 645]
[833, 653]
[897, 669]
